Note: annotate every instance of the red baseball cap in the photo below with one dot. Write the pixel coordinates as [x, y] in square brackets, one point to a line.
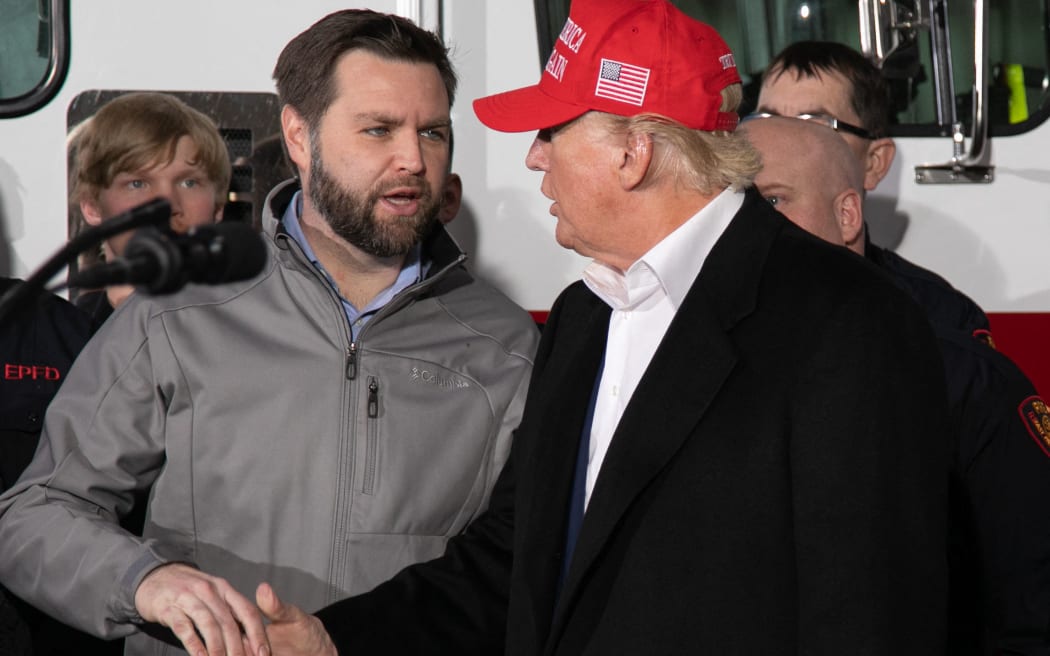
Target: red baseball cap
[624, 57]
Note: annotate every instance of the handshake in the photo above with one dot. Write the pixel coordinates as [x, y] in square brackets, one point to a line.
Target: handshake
[210, 618]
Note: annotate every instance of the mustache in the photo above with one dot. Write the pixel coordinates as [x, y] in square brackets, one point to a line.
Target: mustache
[418, 186]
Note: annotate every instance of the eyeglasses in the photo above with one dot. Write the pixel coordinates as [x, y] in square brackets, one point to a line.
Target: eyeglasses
[820, 119]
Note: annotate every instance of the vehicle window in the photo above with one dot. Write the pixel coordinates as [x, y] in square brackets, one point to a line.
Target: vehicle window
[33, 53]
[1018, 52]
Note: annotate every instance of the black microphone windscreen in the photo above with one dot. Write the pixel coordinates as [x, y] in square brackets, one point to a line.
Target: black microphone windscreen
[225, 252]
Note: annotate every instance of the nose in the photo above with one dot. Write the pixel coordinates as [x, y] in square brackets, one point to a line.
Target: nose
[537, 157]
[410, 153]
[172, 196]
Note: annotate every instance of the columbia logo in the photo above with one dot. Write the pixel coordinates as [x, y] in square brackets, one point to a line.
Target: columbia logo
[431, 378]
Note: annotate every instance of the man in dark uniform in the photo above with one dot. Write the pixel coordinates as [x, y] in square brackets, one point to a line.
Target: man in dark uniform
[834, 85]
[999, 527]
[999, 533]
[37, 346]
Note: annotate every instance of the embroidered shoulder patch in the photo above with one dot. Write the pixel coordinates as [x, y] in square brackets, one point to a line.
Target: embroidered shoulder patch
[1036, 418]
[984, 336]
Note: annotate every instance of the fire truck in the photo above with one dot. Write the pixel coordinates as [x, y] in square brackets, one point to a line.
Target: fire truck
[968, 195]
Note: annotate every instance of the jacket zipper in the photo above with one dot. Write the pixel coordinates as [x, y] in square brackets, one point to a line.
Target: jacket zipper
[340, 555]
[351, 361]
[371, 446]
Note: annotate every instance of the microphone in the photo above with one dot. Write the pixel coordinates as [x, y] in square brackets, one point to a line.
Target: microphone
[17, 298]
[161, 262]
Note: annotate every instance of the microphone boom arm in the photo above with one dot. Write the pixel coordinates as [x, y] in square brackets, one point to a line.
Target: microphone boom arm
[154, 212]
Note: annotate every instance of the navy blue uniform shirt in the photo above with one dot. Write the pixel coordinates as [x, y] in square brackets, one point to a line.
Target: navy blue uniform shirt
[999, 524]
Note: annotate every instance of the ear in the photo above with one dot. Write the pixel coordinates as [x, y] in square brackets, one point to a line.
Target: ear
[637, 157]
[218, 212]
[91, 211]
[879, 159]
[849, 217]
[451, 198]
[296, 138]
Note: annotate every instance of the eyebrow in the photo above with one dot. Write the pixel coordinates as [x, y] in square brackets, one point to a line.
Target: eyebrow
[377, 118]
[773, 186]
[179, 166]
[817, 110]
[387, 119]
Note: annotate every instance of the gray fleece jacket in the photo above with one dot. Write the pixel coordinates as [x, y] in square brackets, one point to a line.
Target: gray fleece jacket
[274, 447]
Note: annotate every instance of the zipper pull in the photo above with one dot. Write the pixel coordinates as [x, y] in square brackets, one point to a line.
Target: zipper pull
[373, 398]
[351, 361]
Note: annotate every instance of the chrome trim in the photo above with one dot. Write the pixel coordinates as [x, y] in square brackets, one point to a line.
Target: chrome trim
[971, 165]
[941, 62]
[57, 67]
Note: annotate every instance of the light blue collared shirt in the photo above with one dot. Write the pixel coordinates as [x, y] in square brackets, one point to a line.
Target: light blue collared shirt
[412, 270]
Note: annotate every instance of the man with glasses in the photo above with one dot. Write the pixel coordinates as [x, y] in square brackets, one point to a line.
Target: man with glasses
[832, 84]
[999, 539]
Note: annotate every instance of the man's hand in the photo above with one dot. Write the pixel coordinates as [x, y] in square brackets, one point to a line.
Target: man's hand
[194, 605]
[291, 631]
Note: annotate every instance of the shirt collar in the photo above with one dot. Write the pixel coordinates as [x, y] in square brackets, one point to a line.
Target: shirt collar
[411, 270]
[672, 265]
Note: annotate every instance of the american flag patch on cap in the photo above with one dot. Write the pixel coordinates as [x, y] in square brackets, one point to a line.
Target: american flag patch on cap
[622, 82]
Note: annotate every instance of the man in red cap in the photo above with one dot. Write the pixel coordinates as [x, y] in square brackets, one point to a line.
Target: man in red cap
[731, 442]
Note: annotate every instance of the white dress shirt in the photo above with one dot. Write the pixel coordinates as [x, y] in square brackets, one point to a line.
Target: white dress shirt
[643, 302]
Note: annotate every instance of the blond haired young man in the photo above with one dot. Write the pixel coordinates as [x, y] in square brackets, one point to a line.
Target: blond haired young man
[138, 147]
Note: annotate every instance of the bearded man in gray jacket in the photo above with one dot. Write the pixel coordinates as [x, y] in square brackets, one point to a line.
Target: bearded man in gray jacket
[319, 426]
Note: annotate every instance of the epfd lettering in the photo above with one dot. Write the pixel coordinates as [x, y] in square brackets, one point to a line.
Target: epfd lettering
[30, 372]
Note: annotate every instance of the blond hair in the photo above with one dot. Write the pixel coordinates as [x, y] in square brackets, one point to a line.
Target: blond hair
[138, 130]
[704, 161]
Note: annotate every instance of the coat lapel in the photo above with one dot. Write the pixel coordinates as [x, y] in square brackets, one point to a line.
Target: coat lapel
[681, 383]
[562, 393]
